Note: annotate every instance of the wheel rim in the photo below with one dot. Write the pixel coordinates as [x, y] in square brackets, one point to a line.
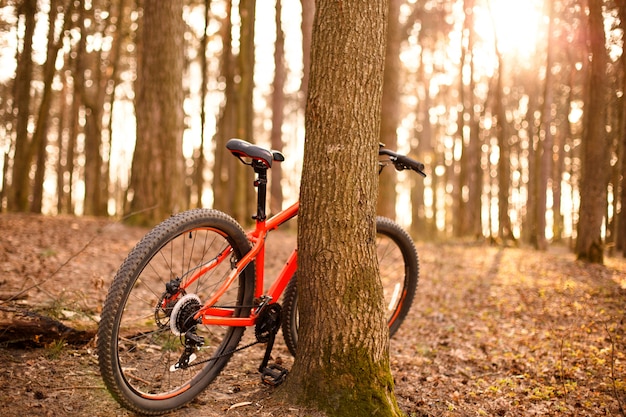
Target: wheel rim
[146, 351]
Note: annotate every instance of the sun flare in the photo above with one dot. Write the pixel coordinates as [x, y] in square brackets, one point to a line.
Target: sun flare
[517, 25]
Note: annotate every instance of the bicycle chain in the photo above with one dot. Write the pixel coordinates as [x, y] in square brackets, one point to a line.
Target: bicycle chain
[259, 334]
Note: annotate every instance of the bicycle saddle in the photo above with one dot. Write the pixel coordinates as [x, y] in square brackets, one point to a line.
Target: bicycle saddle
[242, 149]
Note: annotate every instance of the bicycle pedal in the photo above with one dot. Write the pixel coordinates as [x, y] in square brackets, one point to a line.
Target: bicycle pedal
[273, 375]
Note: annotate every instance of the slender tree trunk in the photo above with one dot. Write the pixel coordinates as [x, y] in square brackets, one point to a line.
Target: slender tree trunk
[40, 137]
[308, 13]
[544, 153]
[342, 365]
[505, 229]
[620, 241]
[390, 109]
[61, 144]
[620, 227]
[244, 195]
[76, 66]
[225, 164]
[278, 104]
[89, 92]
[557, 174]
[22, 159]
[117, 19]
[456, 171]
[529, 227]
[199, 161]
[473, 215]
[420, 227]
[593, 189]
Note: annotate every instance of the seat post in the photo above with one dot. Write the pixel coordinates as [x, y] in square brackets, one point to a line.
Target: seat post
[261, 184]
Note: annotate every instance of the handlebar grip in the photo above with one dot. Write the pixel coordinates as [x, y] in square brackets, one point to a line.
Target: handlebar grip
[402, 162]
[410, 163]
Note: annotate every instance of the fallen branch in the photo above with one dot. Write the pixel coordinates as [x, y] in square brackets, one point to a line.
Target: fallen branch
[30, 329]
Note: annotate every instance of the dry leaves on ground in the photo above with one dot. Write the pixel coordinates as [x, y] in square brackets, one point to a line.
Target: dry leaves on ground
[494, 331]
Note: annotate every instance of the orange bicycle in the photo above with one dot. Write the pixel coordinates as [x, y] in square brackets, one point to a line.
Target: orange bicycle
[181, 300]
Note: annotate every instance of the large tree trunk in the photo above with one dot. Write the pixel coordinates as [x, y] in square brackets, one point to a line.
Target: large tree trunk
[593, 189]
[156, 178]
[342, 365]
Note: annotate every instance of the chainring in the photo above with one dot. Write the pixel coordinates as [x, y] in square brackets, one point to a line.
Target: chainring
[268, 322]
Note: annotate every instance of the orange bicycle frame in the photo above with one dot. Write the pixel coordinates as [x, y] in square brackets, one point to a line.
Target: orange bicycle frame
[223, 316]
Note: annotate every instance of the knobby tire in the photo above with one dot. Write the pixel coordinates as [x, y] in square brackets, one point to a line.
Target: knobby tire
[136, 346]
[399, 273]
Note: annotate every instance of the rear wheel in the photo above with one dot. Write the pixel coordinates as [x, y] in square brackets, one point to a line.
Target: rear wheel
[399, 274]
[153, 356]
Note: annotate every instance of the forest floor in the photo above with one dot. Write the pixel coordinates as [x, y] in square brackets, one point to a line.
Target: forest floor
[493, 332]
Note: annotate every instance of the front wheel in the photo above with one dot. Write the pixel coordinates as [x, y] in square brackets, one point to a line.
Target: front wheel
[154, 356]
[399, 273]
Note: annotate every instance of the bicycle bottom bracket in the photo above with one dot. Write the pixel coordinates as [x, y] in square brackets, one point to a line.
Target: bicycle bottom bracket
[181, 319]
[268, 322]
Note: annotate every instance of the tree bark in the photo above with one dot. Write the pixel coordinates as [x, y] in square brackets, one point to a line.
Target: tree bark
[544, 153]
[225, 164]
[620, 227]
[22, 159]
[40, 137]
[308, 13]
[278, 104]
[342, 365]
[390, 109]
[244, 203]
[505, 229]
[420, 225]
[156, 177]
[199, 157]
[595, 175]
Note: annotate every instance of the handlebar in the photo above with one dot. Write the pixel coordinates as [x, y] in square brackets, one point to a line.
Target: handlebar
[262, 158]
[401, 162]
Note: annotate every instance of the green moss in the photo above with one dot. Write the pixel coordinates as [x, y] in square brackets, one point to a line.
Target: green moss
[351, 385]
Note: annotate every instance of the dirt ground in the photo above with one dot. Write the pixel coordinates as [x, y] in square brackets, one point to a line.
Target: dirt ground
[493, 332]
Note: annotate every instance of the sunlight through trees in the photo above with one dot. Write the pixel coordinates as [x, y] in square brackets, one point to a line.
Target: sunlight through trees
[497, 97]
